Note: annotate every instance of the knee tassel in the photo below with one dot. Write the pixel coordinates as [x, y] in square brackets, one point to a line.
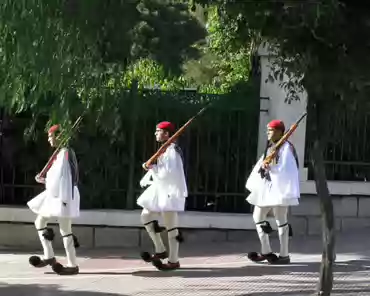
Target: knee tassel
[179, 237]
[156, 227]
[76, 243]
[48, 233]
[290, 228]
[265, 226]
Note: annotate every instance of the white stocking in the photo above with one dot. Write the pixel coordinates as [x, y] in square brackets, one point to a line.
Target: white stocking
[65, 227]
[260, 215]
[147, 218]
[171, 223]
[281, 216]
[41, 224]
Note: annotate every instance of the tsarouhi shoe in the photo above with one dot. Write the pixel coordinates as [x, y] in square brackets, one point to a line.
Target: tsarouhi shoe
[64, 270]
[280, 260]
[37, 262]
[257, 257]
[147, 257]
[157, 263]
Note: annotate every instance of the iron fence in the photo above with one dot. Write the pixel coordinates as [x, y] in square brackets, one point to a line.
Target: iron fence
[219, 152]
[347, 149]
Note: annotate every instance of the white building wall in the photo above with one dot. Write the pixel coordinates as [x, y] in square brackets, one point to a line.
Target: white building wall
[273, 98]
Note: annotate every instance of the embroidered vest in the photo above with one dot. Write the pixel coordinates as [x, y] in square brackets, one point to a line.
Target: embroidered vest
[72, 160]
[294, 153]
[179, 151]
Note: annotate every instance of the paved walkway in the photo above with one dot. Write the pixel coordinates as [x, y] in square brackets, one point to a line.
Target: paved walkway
[215, 269]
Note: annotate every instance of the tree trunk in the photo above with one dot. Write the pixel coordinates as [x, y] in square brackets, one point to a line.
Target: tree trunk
[328, 231]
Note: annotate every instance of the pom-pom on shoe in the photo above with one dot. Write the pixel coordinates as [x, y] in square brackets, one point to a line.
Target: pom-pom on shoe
[37, 262]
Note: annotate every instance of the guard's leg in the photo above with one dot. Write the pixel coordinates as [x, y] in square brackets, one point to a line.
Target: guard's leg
[284, 230]
[46, 236]
[150, 221]
[174, 239]
[70, 243]
[263, 229]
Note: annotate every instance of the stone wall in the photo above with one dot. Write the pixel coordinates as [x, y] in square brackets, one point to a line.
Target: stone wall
[350, 212]
[20, 235]
[17, 229]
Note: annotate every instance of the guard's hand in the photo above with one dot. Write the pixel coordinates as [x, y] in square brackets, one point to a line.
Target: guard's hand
[266, 166]
[40, 179]
[147, 168]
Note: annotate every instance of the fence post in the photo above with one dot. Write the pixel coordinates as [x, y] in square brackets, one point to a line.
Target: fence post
[130, 200]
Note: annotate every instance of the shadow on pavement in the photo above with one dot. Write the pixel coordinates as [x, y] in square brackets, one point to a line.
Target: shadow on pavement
[290, 280]
[303, 277]
[301, 269]
[45, 290]
[311, 292]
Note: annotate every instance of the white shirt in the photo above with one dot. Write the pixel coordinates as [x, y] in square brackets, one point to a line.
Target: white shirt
[283, 189]
[58, 200]
[168, 189]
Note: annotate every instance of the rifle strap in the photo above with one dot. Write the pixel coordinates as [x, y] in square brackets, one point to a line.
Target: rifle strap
[179, 151]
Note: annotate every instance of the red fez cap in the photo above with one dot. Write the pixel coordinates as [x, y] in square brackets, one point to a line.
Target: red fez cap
[166, 125]
[53, 129]
[277, 124]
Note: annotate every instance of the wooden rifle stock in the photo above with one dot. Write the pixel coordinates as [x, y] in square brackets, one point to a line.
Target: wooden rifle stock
[283, 139]
[61, 144]
[172, 139]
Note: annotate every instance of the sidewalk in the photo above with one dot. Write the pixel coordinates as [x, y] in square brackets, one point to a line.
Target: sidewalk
[215, 269]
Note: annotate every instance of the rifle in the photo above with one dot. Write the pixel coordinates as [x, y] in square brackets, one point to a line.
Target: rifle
[172, 139]
[61, 144]
[280, 143]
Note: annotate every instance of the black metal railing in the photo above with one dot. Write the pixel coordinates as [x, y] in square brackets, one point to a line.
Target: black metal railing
[219, 152]
[347, 148]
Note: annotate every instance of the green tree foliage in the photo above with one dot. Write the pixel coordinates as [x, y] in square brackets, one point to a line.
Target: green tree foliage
[222, 65]
[61, 55]
[61, 58]
[322, 46]
[218, 68]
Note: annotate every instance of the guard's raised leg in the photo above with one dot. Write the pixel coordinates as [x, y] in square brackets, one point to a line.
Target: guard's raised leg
[70, 243]
[150, 221]
[174, 239]
[46, 236]
[284, 230]
[263, 230]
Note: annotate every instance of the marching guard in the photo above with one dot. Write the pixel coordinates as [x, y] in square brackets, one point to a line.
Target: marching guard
[274, 186]
[61, 200]
[165, 195]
